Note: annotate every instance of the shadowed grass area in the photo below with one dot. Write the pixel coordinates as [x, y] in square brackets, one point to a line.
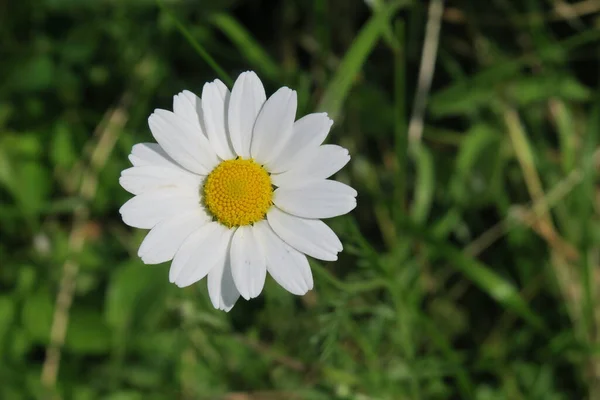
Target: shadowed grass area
[471, 266]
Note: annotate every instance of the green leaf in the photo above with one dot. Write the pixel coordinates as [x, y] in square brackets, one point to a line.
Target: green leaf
[467, 96]
[135, 296]
[26, 279]
[424, 183]
[586, 224]
[128, 395]
[474, 163]
[7, 174]
[37, 315]
[7, 314]
[87, 332]
[343, 80]
[20, 343]
[143, 377]
[17, 149]
[34, 74]
[62, 151]
[481, 275]
[33, 187]
[490, 282]
[23, 144]
[84, 392]
[532, 89]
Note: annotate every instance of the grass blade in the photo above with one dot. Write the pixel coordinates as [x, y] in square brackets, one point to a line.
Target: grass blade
[339, 87]
[245, 43]
[481, 275]
[400, 124]
[424, 182]
[196, 45]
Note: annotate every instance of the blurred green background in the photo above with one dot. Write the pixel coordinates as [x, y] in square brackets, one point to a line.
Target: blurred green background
[471, 264]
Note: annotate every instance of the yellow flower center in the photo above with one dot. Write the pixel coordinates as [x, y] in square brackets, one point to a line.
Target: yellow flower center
[238, 192]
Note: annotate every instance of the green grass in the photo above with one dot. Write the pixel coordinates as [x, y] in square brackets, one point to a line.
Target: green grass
[470, 267]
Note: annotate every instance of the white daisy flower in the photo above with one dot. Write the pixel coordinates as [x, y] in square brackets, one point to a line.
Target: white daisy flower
[235, 188]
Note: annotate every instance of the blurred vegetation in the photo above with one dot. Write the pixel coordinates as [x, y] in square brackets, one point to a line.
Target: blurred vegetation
[471, 264]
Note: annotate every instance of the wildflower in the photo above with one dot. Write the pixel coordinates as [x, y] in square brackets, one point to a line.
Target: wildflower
[235, 188]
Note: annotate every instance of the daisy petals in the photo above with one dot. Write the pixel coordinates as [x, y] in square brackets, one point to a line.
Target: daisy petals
[137, 180]
[273, 125]
[221, 288]
[183, 141]
[323, 162]
[150, 154]
[318, 199]
[310, 236]
[246, 100]
[199, 253]
[248, 264]
[163, 241]
[286, 265]
[148, 209]
[188, 106]
[308, 133]
[215, 101]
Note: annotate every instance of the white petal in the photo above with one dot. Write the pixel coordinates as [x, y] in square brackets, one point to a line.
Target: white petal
[146, 154]
[323, 162]
[248, 264]
[138, 180]
[199, 253]
[187, 105]
[308, 133]
[273, 125]
[286, 265]
[247, 98]
[319, 199]
[221, 288]
[215, 101]
[148, 209]
[183, 141]
[163, 241]
[310, 236]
